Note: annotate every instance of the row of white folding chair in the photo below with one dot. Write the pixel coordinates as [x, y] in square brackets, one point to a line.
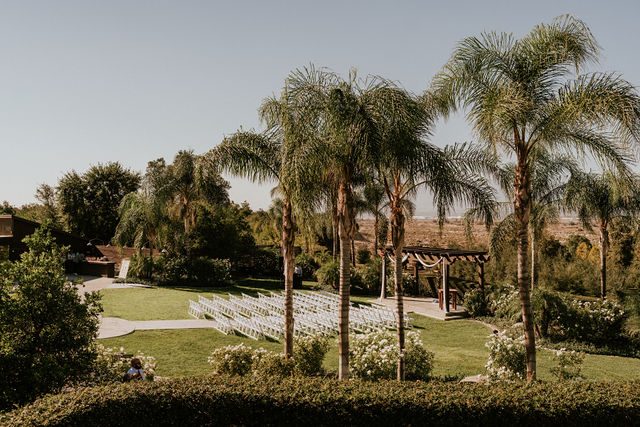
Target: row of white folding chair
[256, 304]
[223, 323]
[195, 310]
[269, 302]
[241, 306]
[269, 328]
[208, 306]
[248, 327]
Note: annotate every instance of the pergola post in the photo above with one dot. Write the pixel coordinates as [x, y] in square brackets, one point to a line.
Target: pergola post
[416, 276]
[481, 276]
[383, 279]
[445, 284]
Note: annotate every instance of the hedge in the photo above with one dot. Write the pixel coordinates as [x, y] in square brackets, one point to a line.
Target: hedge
[321, 401]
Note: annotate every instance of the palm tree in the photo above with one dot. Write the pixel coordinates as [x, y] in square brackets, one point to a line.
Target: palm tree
[345, 149]
[603, 198]
[267, 156]
[406, 163]
[194, 182]
[141, 218]
[374, 203]
[520, 95]
[549, 178]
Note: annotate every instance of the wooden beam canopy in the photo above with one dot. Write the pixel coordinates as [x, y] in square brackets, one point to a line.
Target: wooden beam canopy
[427, 257]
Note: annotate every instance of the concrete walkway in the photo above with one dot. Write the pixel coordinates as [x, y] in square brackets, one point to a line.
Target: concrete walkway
[424, 306]
[115, 327]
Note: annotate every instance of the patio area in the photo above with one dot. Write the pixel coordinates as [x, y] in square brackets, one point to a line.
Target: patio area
[424, 306]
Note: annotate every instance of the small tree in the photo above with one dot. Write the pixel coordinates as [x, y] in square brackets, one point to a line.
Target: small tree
[46, 330]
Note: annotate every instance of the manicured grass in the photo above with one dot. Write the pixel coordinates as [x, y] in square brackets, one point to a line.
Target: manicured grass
[182, 352]
[172, 302]
[458, 345]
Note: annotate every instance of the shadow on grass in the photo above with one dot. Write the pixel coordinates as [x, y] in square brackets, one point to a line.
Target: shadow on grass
[246, 285]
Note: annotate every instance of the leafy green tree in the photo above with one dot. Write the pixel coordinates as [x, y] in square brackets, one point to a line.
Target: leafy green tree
[603, 198]
[7, 209]
[522, 95]
[89, 202]
[46, 329]
[46, 195]
[223, 232]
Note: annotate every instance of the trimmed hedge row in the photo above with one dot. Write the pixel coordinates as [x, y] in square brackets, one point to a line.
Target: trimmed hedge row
[318, 401]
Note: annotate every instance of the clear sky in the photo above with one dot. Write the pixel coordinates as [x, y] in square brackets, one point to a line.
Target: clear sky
[83, 82]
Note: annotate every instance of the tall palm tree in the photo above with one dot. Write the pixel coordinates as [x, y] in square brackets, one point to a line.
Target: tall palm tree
[523, 94]
[349, 137]
[603, 198]
[407, 163]
[268, 156]
[549, 178]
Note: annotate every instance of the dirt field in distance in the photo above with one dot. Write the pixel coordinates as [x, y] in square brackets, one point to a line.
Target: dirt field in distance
[425, 232]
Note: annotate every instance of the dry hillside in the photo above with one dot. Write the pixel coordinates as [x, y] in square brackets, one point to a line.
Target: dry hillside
[425, 232]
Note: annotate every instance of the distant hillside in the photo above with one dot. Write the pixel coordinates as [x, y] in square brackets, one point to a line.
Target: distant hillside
[425, 232]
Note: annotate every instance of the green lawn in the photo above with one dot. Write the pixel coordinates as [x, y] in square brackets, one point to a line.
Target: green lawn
[172, 302]
[458, 345]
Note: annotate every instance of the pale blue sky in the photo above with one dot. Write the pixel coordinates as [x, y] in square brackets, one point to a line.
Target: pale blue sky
[83, 82]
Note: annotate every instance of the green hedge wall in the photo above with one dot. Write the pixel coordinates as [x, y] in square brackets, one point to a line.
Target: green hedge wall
[318, 401]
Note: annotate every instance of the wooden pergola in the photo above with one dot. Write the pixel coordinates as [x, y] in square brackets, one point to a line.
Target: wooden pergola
[427, 257]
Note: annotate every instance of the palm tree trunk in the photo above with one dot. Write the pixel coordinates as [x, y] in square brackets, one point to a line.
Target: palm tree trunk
[604, 249]
[345, 222]
[288, 240]
[522, 209]
[397, 238]
[533, 260]
[334, 230]
[353, 252]
[375, 233]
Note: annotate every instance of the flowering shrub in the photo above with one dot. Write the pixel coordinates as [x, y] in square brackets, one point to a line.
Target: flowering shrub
[593, 320]
[232, 360]
[375, 356]
[111, 364]
[309, 353]
[242, 360]
[507, 357]
[569, 364]
[507, 305]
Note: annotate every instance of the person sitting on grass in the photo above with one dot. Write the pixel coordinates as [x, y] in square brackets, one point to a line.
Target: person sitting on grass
[135, 372]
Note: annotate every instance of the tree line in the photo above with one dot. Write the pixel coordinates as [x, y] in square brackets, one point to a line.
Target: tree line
[527, 99]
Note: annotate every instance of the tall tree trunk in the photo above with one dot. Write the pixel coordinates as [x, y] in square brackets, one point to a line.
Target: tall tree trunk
[522, 209]
[288, 240]
[533, 260]
[334, 230]
[397, 239]
[604, 249]
[353, 252]
[150, 261]
[375, 233]
[345, 223]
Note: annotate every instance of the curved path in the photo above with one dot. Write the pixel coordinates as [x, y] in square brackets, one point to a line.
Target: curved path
[115, 327]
